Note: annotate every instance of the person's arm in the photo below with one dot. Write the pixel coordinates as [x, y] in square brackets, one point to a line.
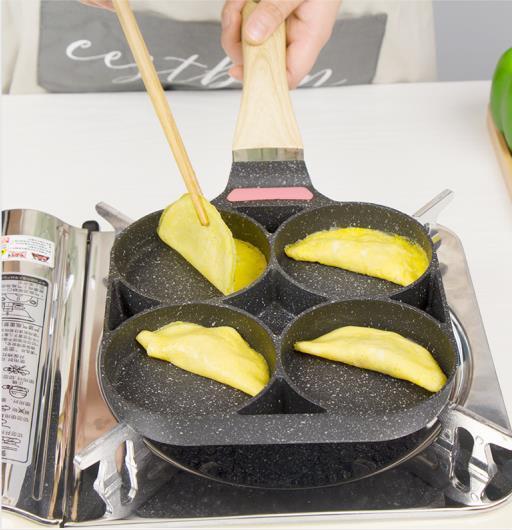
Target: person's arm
[309, 26]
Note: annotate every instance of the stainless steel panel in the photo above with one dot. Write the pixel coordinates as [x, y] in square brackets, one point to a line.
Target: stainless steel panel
[36, 488]
[485, 397]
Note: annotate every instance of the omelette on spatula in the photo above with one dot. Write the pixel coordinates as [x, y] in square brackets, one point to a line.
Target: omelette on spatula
[228, 263]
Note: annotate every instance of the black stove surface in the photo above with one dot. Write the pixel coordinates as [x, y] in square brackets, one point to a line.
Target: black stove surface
[187, 495]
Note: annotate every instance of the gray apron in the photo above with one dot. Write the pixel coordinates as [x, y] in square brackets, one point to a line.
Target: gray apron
[82, 49]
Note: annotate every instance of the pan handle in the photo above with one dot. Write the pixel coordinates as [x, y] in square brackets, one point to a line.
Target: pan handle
[481, 467]
[266, 121]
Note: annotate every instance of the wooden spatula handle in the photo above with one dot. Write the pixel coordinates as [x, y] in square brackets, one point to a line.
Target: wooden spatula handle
[266, 117]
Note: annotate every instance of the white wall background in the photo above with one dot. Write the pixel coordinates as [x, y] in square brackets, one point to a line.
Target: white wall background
[471, 35]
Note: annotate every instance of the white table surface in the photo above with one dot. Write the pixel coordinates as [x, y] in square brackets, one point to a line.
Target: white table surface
[395, 145]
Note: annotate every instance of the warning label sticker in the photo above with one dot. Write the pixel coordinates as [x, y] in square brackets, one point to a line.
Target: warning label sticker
[28, 248]
[24, 301]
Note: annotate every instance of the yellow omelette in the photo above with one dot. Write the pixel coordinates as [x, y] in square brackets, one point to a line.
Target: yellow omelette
[364, 250]
[386, 352]
[219, 353]
[228, 263]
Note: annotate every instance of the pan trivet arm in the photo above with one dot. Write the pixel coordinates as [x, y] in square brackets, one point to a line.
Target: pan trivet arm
[481, 467]
[146, 472]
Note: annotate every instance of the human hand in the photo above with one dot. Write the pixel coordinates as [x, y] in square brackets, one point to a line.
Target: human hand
[309, 26]
[105, 4]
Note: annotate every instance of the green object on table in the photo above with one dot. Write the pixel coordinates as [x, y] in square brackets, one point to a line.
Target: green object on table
[501, 96]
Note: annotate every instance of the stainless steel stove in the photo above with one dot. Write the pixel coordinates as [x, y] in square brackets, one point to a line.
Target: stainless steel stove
[66, 460]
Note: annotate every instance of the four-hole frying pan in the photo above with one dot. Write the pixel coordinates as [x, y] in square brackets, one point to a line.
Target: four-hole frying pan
[314, 414]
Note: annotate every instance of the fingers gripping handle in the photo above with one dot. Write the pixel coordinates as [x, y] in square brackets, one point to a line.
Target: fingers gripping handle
[266, 118]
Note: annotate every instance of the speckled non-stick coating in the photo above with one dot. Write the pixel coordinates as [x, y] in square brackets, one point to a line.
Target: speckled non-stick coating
[296, 409]
[149, 267]
[270, 214]
[335, 282]
[351, 391]
[157, 388]
[307, 399]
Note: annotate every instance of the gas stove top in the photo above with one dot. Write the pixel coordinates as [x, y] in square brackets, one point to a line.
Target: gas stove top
[72, 463]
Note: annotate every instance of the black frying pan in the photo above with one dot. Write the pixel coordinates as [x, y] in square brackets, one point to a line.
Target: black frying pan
[308, 401]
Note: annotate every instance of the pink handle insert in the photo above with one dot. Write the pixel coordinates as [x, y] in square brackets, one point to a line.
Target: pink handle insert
[297, 193]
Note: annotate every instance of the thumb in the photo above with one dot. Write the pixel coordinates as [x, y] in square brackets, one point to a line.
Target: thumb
[266, 18]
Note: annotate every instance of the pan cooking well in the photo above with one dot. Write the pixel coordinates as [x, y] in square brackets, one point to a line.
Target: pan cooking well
[333, 281]
[149, 392]
[152, 273]
[378, 402]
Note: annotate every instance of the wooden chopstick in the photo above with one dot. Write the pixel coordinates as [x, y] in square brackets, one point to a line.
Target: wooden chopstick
[160, 104]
